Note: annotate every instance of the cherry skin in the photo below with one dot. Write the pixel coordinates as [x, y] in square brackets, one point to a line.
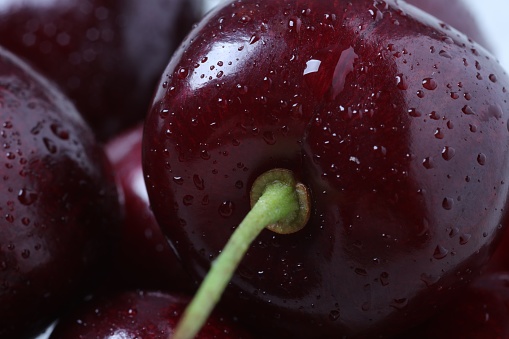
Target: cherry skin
[482, 311]
[59, 205]
[143, 258]
[138, 314]
[396, 124]
[106, 55]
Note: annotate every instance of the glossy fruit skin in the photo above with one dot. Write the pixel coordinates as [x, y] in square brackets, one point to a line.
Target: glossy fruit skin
[457, 14]
[138, 314]
[143, 258]
[397, 124]
[105, 55]
[59, 204]
[481, 312]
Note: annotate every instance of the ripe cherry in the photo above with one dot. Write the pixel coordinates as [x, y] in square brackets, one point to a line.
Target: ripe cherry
[59, 206]
[106, 55]
[396, 124]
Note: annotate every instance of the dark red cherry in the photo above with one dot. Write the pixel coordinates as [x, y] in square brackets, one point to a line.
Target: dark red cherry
[455, 14]
[59, 207]
[106, 55]
[395, 123]
[480, 312]
[138, 314]
[143, 258]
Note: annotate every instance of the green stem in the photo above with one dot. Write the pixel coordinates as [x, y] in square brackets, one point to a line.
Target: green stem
[278, 201]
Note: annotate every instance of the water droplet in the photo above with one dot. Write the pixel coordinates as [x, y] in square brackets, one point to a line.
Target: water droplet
[245, 19]
[384, 278]
[467, 110]
[25, 254]
[481, 159]
[269, 138]
[429, 279]
[464, 238]
[439, 134]
[414, 113]
[182, 73]
[428, 162]
[27, 197]
[399, 303]
[188, 200]
[198, 182]
[239, 184]
[440, 252]
[178, 180]
[50, 145]
[447, 203]
[429, 83]
[448, 153]
[445, 54]
[493, 78]
[59, 131]
[334, 315]
[226, 209]
[401, 82]
[361, 271]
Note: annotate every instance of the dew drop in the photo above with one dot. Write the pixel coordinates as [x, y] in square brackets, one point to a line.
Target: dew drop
[448, 203]
[59, 131]
[440, 252]
[445, 54]
[399, 303]
[464, 238]
[198, 182]
[178, 180]
[401, 82]
[467, 110]
[439, 134]
[27, 197]
[448, 153]
[481, 159]
[429, 279]
[384, 278]
[334, 315]
[269, 138]
[226, 209]
[188, 200]
[182, 73]
[25, 254]
[50, 145]
[429, 83]
[414, 113]
[428, 163]
[493, 78]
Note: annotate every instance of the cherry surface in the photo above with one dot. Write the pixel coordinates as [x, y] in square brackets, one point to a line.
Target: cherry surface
[144, 258]
[138, 314]
[395, 121]
[106, 55]
[59, 205]
[481, 312]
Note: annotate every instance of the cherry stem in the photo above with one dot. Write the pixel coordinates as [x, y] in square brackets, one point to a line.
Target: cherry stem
[280, 200]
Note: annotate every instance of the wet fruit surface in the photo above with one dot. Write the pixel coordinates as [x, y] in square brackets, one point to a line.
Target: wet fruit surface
[396, 123]
[138, 314]
[59, 206]
[106, 55]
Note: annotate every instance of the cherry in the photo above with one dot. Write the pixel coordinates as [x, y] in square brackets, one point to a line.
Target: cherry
[482, 311]
[59, 207]
[143, 258]
[138, 314]
[106, 55]
[395, 123]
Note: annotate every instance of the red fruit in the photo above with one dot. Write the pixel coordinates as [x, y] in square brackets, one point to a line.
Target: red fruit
[397, 125]
[138, 315]
[59, 206]
[106, 55]
[455, 13]
[481, 312]
[144, 258]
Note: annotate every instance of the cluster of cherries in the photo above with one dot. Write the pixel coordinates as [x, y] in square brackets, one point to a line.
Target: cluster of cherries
[299, 169]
